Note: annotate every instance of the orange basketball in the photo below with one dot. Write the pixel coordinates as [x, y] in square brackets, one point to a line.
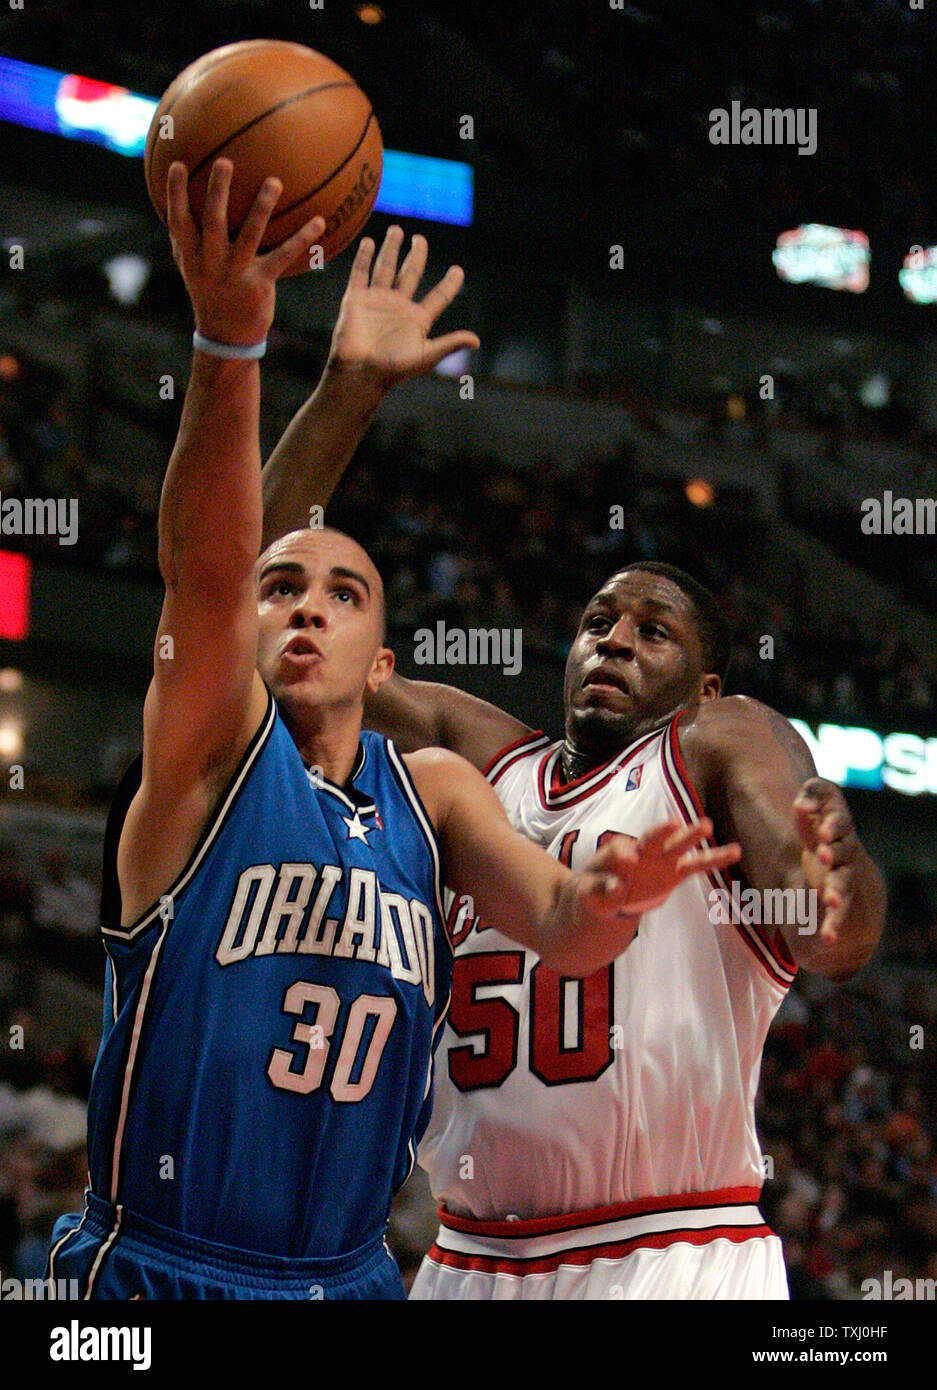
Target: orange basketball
[273, 108]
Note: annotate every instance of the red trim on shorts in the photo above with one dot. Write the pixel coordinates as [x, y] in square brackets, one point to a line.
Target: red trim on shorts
[776, 944]
[580, 1220]
[586, 1254]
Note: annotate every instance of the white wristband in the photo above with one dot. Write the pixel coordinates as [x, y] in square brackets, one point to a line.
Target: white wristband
[227, 349]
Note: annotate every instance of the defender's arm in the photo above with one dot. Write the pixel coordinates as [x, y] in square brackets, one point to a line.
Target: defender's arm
[796, 831]
[576, 922]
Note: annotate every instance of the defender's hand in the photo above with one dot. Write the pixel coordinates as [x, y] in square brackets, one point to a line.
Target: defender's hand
[382, 332]
[627, 877]
[232, 288]
[831, 853]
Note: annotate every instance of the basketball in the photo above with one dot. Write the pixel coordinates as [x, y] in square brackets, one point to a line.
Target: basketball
[275, 109]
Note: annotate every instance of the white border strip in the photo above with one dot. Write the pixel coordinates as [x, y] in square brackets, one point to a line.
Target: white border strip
[606, 1233]
[409, 789]
[535, 743]
[102, 1251]
[61, 1241]
[132, 1057]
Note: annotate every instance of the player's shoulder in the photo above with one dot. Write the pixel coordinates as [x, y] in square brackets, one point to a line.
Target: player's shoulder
[713, 720]
[716, 732]
[435, 765]
[439, 776]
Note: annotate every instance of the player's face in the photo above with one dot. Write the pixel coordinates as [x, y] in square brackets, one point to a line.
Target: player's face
[319, 616]
[635, 661]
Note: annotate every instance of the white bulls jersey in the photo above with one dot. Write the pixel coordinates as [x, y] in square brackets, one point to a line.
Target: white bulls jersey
[562, 1096]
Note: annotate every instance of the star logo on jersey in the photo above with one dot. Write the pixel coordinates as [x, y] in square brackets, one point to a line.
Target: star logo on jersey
[357, 830]
[633, 780]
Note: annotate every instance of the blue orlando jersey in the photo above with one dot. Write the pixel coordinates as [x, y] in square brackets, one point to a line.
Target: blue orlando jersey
[265, 1070]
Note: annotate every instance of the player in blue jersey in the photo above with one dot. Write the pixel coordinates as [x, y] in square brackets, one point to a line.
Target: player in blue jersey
[278, 966]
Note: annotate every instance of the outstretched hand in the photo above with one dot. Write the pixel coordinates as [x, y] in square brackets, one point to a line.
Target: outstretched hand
[627, 877]
[604, 901]
[232, 288]
[382, 330]
[831, 850]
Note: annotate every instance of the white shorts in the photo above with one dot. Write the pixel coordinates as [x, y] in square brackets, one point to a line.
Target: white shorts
[710, 1245]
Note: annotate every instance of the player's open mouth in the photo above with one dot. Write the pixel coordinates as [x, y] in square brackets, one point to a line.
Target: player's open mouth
[302, 647]
[606, 679]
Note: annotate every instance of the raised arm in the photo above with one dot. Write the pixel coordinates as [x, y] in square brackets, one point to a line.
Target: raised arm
[761, 787]
[381, 337]
[576, 922]
[206, 700]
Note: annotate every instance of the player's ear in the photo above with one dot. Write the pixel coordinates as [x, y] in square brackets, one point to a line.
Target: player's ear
[381, 670]
[710, 686]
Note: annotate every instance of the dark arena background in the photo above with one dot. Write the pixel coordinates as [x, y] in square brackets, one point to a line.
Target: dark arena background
[700, 345]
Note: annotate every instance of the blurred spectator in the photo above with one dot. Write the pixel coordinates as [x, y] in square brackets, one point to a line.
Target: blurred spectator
[65, 898]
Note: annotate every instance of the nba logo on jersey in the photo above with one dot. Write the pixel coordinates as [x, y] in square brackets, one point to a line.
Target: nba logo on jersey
[634, 779]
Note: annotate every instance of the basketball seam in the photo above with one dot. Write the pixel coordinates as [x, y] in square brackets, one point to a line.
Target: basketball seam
[334, 174]
[271, 111]
[209, 67]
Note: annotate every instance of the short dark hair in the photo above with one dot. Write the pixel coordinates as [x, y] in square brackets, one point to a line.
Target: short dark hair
[715, 631]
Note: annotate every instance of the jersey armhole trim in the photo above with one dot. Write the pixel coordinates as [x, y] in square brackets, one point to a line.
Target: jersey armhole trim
[408, 787]
[773, 955]
[209, 834]
[530, 742]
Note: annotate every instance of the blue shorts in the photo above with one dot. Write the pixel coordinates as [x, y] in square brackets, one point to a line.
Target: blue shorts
[112, 1253]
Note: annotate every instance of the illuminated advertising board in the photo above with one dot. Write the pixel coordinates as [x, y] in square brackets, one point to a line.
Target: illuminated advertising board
[831, 257]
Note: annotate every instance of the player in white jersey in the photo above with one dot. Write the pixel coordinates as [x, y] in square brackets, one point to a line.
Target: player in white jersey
[634, 1084]
[614, 1092]
[596, 1139]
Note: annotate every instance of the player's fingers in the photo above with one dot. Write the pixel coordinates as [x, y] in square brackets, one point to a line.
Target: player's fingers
[438, 348]
[385, 267]
[818, 790]
[255, 223]
[835, 826]
[838, 886]
[617, 856]
[808, 823]
[705, 860]
[653, 840]
[833, 919]
[411, 272]
[282, 257]
[687, 835]
[183, 232]
[838, 852]
[606, 893]
[442, 295]
[215, 212]
[361, 266]
[817, 795]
